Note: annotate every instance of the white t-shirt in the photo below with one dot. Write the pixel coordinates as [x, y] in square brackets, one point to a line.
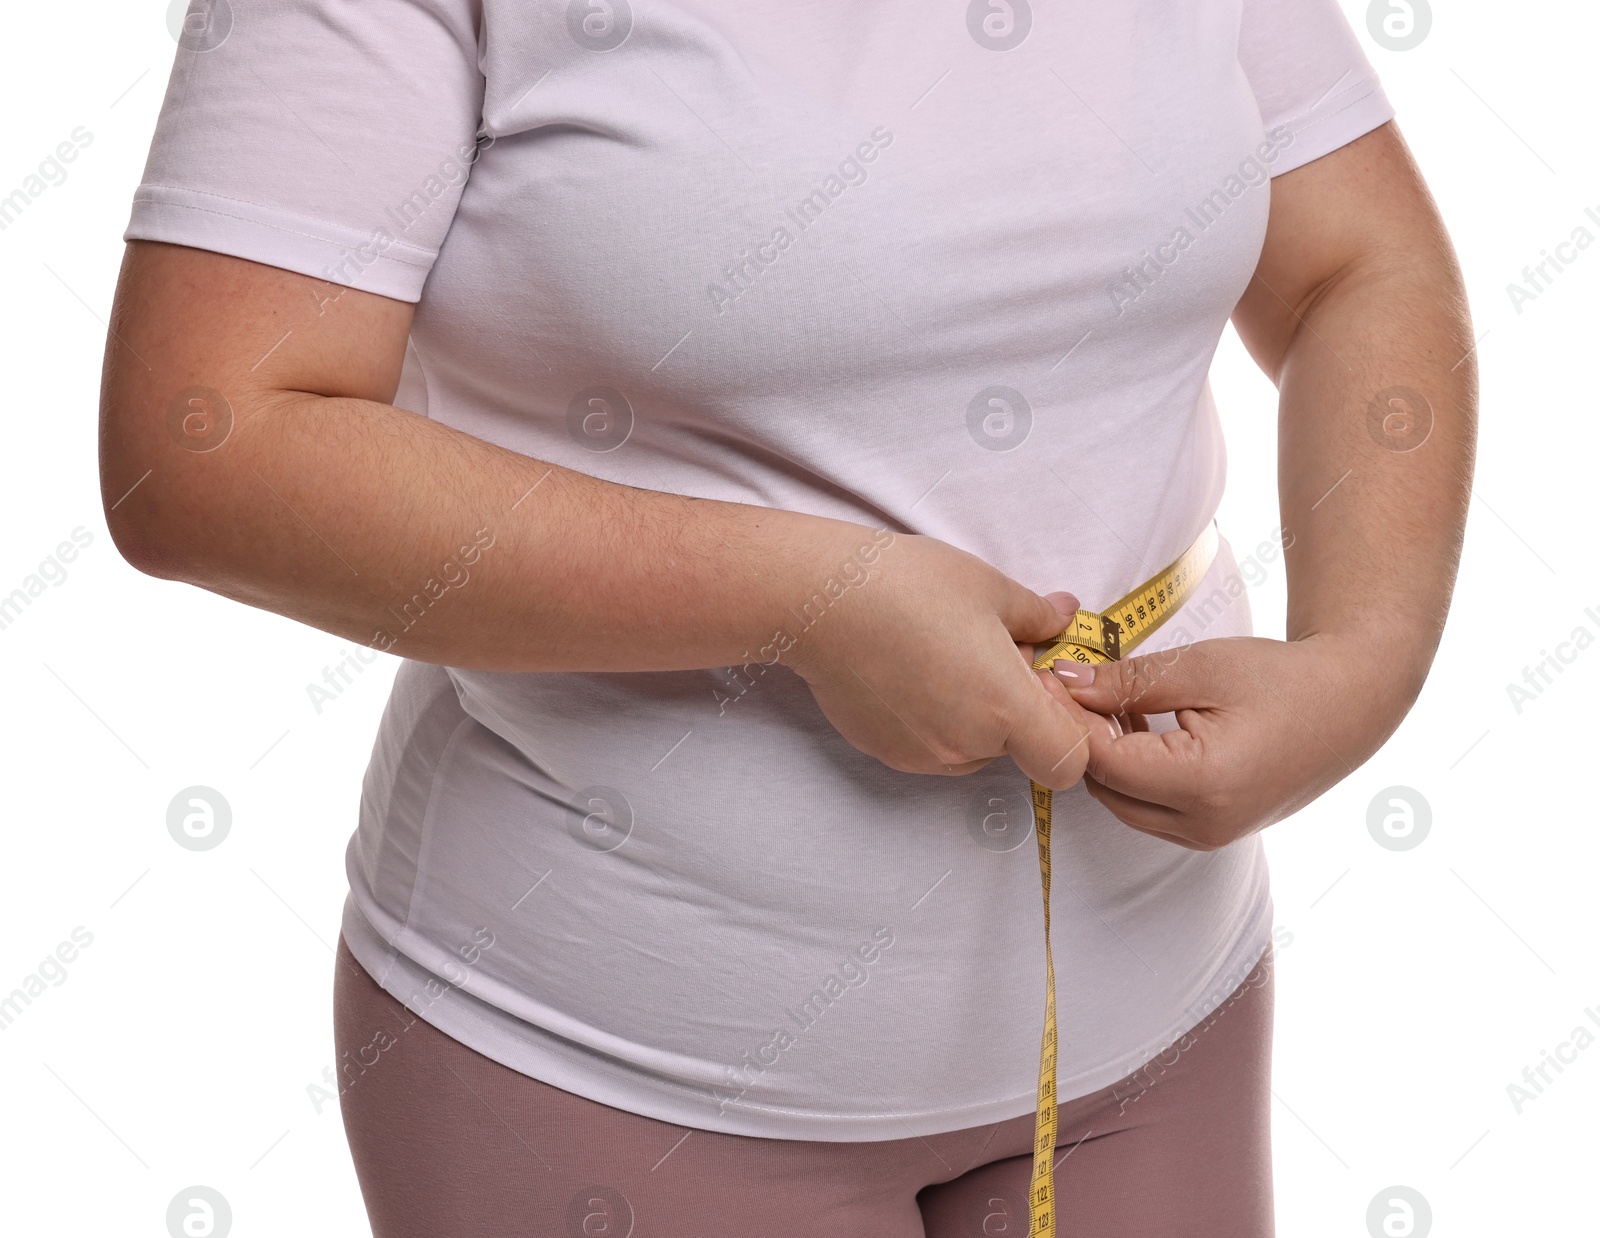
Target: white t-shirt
[955, 270]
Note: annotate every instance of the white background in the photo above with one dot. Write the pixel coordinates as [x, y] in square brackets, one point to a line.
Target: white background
[1414, 987]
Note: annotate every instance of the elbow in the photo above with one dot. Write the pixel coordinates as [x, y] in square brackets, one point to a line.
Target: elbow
[137, 502]
[144, 552]
[122, 513]
[138, 542]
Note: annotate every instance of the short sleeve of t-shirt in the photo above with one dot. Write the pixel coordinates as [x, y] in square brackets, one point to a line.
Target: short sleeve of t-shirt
[333, 137]
[1311, 79]
[328, 137]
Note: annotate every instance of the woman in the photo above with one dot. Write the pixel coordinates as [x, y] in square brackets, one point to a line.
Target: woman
[694, 395]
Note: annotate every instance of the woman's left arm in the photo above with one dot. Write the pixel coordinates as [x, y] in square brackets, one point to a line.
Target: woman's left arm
[1358, 314]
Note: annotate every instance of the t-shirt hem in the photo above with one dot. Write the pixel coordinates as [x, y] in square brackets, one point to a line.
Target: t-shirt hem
[471, 1021]
[375, 262]
[1333, 122]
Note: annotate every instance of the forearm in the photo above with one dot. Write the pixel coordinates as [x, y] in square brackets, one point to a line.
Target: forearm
[1357, 313]
[1372, 521]
[1373, 483]
[384, 527]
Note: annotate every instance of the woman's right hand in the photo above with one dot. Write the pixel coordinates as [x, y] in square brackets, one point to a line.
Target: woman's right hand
[919, 666]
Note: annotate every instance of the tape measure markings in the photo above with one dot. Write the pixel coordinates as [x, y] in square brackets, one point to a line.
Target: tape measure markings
[1092, 637]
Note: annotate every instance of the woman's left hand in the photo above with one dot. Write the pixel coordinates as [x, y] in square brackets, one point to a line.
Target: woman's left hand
[1265, 727]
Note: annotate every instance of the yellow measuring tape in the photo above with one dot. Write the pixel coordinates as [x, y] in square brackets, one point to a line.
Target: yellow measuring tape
[1092, 637]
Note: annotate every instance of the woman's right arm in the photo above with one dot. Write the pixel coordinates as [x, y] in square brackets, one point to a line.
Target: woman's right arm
[323, 502]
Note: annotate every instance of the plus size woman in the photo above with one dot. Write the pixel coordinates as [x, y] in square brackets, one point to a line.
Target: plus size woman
[714, 407]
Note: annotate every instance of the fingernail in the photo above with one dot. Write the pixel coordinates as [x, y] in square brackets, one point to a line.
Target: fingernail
[1077, 674]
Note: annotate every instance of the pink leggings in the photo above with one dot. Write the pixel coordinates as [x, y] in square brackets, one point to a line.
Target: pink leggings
[447, 1142]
